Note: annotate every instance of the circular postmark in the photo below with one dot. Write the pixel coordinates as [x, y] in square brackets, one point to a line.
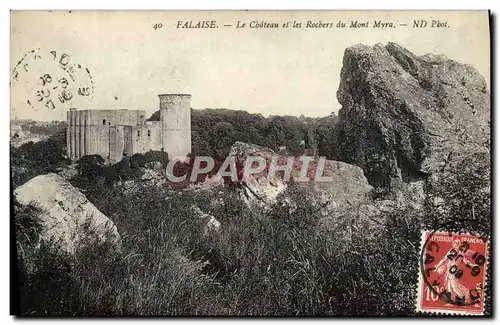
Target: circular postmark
[49, 80]
[453, 267]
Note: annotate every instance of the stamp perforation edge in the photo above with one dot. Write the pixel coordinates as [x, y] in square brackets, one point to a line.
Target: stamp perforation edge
[421, 282]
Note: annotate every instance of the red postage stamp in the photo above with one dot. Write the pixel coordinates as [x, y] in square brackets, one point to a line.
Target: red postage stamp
[452, 273]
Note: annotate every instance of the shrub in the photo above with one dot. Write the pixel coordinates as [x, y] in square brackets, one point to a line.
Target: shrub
[148, 159]
[137, 160]
[463, 191]
[33, 159]
[90, 166]
[154, 156]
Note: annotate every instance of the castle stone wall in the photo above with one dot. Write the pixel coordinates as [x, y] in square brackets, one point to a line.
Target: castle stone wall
[111, 133]
[147, 137]
[101, 137]
[115, 117]
[69, 135]
[175, 117]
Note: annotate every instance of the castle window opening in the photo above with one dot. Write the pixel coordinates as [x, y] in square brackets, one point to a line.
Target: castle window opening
[149, 133]
[138, 133]
[104, 121]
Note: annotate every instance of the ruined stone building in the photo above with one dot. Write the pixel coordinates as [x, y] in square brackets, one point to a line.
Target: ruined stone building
[115, 133]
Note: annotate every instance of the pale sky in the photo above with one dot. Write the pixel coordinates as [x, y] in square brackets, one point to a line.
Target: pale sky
[285, 71]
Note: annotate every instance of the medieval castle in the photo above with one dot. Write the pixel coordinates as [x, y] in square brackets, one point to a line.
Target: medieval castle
[115, 133]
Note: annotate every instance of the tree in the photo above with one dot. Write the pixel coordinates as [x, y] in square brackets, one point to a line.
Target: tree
[213, 131]
[222, 138]
[137, 160]
[90, 166]
[154, 156]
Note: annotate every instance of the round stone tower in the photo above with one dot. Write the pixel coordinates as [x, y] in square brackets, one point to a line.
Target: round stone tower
[175, 117]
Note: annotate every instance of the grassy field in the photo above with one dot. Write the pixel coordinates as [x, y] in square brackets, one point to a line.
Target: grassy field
[278, 262]
[285, 260]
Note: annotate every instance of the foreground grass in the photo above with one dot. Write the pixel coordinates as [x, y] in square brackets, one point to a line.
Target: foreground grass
[287, 260]
[278, 262]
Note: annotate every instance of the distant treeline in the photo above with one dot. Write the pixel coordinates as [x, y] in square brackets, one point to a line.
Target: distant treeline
[215, 130]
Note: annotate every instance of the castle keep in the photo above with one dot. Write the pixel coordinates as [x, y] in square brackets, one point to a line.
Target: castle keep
[115, 133]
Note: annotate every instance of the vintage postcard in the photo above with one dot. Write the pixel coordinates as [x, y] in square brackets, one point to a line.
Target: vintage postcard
[250, 163]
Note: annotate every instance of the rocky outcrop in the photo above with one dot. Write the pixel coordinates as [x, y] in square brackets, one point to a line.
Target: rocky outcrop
[345, 188]
[212, 225]
[404, 116]
[258, 187]
[68, 172]
[68, 219]
[242, 150]
[153, 177]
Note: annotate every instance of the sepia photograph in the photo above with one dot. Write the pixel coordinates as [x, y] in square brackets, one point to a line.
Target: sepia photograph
[250, 163]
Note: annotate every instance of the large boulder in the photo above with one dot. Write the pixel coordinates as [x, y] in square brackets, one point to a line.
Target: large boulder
[404, 116]
[68, 220]
[153, 177]
[345, 188]
[68, 172]
[242, 150]
[257, 187]
[212, 225]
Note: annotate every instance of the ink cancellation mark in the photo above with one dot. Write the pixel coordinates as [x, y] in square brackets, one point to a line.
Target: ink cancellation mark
[49, 80]
[452, 277]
